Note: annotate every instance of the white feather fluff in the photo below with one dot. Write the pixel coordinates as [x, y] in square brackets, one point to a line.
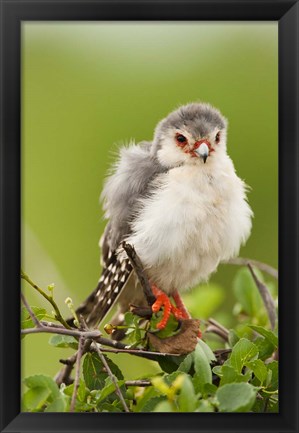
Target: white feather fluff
[197, 216]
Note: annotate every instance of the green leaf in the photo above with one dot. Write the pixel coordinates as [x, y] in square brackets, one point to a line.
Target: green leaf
[209, 389]
[236, 397]
[170, 378]
[40, 380]
[203, 372]
[247, 293]
[269, 335]
[259, 369]
[64, 341]
[273, 406]
[187, 399]
[26, 321]
[204, 406]
[82, 391]
[230, 375]
[129, 318]
[259, 406]
[147, 395]
[207, 350]
[108, 407]
[186, 364]
[57, 405]
[152, 403]
[243, 351]
[164, 406]
[233, 337]
[55, 400]
[273, 366]
[35, 398]
[170, 364]
[265, 348]
[108, 389]
[94, 372]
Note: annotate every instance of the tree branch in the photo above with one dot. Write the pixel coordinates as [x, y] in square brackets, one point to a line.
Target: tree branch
[239, 261]
[106, 365]
[62, 331]
[31, 313]
[138, 268]
[96, 336]
[138, 383]
[266, 297]
[218, 329]
[63, 376]
[77, 374]
[48, 298]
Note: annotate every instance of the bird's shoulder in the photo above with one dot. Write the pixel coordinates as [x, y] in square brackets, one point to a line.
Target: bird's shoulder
[130, 179]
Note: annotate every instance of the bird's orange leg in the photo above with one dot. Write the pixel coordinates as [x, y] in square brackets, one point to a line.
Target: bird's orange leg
[180, 305]
[182, 308]
[161, 300]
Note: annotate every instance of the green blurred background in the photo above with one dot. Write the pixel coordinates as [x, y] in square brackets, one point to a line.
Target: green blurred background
[86, 88]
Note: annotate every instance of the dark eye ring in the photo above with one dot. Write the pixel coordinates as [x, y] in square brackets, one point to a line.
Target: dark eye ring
[181, 138]
[217, 138]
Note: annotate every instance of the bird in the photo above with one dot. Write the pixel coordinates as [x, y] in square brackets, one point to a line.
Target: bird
[178, 201]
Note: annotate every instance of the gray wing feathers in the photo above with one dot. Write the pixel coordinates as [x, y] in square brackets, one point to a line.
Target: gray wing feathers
[129, 181]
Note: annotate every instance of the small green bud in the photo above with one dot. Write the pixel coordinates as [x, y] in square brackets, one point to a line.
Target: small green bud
[68, 301]
[51, 287]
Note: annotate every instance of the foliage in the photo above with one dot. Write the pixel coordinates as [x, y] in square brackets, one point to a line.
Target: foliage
[242, 376]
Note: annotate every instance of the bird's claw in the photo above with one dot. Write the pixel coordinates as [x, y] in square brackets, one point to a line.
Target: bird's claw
[162, 300]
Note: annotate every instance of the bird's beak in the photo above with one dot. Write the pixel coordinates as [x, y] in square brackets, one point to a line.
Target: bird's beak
[203, 150]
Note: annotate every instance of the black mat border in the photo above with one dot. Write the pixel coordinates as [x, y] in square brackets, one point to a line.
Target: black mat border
[12, 15]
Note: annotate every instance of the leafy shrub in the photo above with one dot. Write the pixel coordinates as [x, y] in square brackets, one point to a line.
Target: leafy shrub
[241, 376]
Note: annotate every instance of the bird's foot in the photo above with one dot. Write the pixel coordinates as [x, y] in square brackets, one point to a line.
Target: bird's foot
[162, 300]
[180, 306]
[179, 311]
[182, 309]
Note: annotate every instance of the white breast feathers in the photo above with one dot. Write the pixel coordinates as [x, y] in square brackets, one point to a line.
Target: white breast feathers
[196, 217]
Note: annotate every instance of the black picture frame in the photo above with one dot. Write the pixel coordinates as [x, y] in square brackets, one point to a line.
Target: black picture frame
[12, 14]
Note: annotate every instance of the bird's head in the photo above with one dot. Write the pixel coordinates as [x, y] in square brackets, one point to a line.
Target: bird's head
[193, 134]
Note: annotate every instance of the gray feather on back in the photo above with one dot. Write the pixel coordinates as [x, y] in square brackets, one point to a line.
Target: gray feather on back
[130, 180]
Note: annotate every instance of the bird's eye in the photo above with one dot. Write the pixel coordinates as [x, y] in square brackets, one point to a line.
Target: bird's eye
[181, 138]
[217, 138]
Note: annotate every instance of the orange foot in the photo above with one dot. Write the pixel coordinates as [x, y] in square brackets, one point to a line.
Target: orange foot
[162, 300]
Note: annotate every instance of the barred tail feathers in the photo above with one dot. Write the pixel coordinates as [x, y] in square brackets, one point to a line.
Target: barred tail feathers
[113, 279]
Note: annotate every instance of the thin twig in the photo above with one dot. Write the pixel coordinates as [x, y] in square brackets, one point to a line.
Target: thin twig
[51, 324]
[31, 313]
[218, 325]
[138, 383]
[218, 329]
[61, 331]
[139, 352]
[77, 374]
[138, 268]
[96, 336]
[63, 376]
[48, 298]
[240, 261]
[266, 297]
[106, 365]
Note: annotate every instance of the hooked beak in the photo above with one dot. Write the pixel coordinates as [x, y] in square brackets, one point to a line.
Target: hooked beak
[203, 151]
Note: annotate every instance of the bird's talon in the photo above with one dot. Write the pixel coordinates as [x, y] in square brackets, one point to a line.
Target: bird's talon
[178, 314]
[162, 301]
